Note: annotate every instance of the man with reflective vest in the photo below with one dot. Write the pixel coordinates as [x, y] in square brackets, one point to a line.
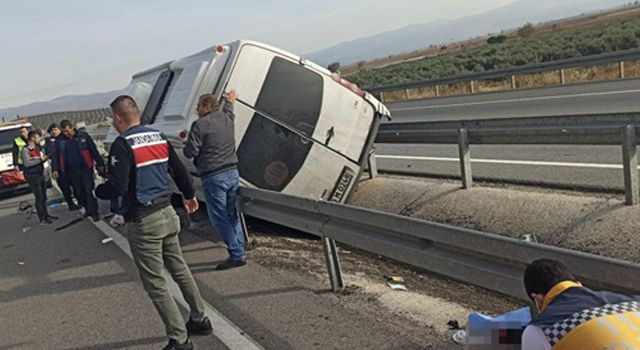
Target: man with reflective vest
[19, 142]
[140, 160]
[75, 157]
[575, 317]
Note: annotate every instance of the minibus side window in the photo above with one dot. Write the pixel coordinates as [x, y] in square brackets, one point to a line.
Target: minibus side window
[157, 98]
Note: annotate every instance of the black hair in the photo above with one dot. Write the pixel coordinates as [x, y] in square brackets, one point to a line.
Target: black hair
[51, 127]
[32, 133]
[543, 274]
[65, 123]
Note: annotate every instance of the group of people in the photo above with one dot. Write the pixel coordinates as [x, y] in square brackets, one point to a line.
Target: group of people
[73, 156]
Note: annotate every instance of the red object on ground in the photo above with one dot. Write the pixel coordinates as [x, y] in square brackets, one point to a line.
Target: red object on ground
[12, 178]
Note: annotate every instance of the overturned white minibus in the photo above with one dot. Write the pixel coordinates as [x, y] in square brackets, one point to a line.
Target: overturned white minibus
[299, 128]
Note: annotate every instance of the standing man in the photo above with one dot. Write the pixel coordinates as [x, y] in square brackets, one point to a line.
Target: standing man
[212, 144]
[140, 159]
[33, 166]
[575, 317]
[19, 142]
[50, 151]
[76, 154]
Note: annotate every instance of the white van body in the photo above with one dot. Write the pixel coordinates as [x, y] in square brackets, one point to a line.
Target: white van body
[8, 132]
[299, 128]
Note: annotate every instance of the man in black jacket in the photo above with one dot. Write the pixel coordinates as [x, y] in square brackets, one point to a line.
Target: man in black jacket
[50, 150]
[76, 156]
[212, 144]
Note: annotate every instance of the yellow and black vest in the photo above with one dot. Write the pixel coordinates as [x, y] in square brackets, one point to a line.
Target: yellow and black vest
[575, 317]
[21, 143]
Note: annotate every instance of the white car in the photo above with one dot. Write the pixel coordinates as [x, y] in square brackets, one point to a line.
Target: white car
[299, 128]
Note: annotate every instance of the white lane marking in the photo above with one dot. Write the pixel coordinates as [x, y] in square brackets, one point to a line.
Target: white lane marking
[504, 161]
[232, 336]
[557, 97]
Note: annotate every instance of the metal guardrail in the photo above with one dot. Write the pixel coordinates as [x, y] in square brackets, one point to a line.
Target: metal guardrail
[490, 261]
[612, 129]
[607, 58]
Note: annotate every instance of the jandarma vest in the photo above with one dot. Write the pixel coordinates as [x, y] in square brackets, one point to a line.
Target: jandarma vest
[21, 144]
[575, 317]
[151, 155]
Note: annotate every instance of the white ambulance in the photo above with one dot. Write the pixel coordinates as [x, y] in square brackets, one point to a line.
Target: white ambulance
[299, 128]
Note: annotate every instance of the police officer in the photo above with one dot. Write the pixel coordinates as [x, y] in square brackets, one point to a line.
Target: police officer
[139, 161]
[576, 317]
[19, 142]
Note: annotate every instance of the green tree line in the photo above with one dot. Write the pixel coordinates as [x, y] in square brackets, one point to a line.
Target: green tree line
[512, 52]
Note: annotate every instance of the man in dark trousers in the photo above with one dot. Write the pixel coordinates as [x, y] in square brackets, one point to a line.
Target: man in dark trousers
[76, 155]
[19, 142]
[33, 167]
[140, 160]
[212, 144]
[50, 150]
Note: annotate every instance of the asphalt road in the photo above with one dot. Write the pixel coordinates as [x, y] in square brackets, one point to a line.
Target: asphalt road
[581, 167]
[589, 98]
[67, 290]
[591, 167]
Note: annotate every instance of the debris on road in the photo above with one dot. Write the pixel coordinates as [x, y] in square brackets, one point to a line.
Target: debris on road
[397, 286]
[107, 240]
[394, 279]
[26, 229]
[20, 263]
[70, 223]
[460, 337]
[454, 325]
[116, 220]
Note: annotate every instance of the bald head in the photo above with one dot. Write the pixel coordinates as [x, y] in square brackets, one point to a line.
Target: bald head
[126, 108]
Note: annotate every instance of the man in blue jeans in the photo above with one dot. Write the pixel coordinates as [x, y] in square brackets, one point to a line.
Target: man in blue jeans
[212, 146]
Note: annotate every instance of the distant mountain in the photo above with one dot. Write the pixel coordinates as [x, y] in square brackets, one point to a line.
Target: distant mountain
[421, 36]
[62, 104]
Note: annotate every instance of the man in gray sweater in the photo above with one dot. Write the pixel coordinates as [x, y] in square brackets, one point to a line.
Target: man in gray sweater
[212, 145]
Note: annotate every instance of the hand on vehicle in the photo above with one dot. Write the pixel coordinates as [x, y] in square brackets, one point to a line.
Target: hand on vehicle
[230, 96]
[55, 175]
[191, 205]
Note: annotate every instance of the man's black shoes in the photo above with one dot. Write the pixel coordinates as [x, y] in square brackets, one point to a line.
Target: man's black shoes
[199, 327]
[173, 345]
[74, 207]
[230, 263]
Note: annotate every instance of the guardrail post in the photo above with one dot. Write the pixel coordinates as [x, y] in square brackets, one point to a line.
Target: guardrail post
[372, 164]
[621, 68]
[630, 164]
[465, 158]
[472, 86]
[513, 82]
[245, 230]
[333, 264]
[381, 96]
[437, 90]
[562, 77]
[406, 94]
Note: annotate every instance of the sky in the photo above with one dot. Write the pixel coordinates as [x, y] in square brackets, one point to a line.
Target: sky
[53, 48]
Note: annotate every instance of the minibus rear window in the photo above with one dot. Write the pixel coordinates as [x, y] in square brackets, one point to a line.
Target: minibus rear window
[292, 94]
[270, 155]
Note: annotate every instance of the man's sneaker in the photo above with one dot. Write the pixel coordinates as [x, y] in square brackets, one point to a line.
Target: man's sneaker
[173, 345]
[51, 217]
[95, 217]
[74, 207]
[199, 328]
[230, 263]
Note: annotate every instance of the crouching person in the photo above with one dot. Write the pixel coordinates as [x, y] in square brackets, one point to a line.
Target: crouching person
[141, 159]
[33, 166]
[575, 317]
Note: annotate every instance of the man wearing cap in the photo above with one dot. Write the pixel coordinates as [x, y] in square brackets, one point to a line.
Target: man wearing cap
[50, 151]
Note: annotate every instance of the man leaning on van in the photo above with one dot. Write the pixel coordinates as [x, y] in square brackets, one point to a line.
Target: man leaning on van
[212, 145]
